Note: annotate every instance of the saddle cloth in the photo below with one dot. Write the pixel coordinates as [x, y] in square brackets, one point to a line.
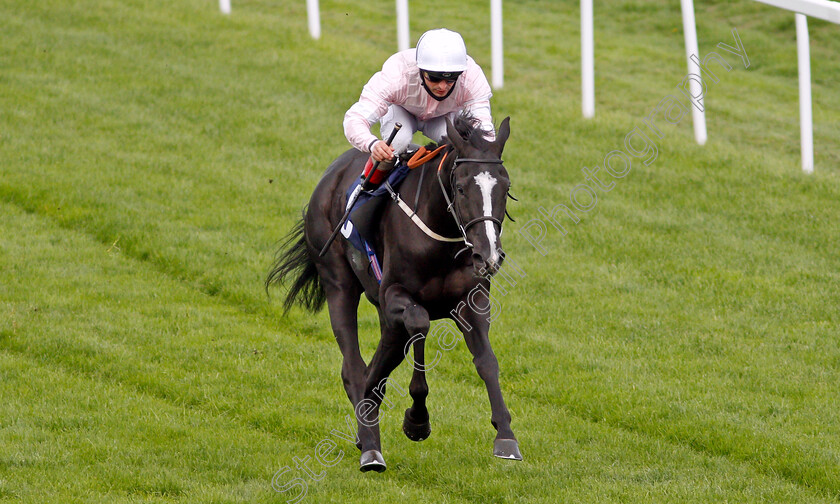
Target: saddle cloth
[360, 226]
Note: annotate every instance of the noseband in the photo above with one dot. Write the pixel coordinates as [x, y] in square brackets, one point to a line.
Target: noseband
[450, 202]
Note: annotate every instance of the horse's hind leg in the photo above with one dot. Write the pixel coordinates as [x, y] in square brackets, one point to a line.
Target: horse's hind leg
[343, 305]
[387, 357]
[343, 294]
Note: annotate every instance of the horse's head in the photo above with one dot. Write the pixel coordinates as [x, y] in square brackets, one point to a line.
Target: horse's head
[479, 186]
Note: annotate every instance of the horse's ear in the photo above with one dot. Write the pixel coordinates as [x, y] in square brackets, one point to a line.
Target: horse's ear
[502, 135]
[454, 137]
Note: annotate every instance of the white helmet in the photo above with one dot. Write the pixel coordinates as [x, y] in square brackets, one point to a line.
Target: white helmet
[441, 50]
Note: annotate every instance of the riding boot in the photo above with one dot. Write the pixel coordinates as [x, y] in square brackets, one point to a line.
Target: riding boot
[379, 175]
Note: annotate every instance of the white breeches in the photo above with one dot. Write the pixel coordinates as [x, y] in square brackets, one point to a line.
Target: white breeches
[434, 128]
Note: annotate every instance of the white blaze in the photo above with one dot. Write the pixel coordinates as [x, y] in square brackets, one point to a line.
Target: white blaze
[486, 182]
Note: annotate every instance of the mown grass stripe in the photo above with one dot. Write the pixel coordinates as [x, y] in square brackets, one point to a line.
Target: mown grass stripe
[117, 343]
[117, 368]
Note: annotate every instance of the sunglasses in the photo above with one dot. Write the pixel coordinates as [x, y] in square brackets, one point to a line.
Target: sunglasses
[435, 77]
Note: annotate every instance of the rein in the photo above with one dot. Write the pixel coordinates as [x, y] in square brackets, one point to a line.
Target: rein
[421, 157]
[449, 202]
[412, 214]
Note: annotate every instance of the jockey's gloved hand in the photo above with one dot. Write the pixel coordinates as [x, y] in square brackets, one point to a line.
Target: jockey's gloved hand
[381, 151]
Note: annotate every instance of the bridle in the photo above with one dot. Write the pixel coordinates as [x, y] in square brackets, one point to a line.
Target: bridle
[450, 202]
[450, 205]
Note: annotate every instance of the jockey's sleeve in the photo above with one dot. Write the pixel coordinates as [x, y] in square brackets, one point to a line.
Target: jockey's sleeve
[478, 98]
[481, 111]
[383, 89]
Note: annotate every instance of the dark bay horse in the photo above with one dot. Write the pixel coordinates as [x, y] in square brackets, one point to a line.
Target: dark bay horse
[462, 196]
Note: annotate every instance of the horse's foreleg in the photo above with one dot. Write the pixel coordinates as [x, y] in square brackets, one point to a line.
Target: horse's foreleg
[402, 309]
[478, 342]
[416, 425]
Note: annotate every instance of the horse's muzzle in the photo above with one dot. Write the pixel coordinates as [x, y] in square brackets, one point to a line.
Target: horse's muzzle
[482, 268]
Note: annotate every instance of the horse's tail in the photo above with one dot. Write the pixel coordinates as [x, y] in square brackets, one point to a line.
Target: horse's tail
[293, 261]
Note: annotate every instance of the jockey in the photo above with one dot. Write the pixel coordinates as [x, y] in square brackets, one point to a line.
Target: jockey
[419, 88]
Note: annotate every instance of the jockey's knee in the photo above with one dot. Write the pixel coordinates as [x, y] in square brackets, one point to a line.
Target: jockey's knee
[402, 140]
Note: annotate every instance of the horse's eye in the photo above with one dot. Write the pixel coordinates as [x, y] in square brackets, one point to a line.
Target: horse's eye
[460, 189]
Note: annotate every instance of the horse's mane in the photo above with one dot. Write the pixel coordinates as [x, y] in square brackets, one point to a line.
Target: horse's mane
[470, 129]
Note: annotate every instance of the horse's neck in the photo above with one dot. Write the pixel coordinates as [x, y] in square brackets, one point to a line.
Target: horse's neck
[431, 204]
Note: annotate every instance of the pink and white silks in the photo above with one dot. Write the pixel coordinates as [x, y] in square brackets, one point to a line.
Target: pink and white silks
[396, 94]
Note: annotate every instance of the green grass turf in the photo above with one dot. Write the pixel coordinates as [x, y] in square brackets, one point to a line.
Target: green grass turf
[679, 344]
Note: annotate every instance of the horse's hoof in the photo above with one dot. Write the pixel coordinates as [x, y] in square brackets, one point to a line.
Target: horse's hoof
[416, 431]
[506, 449]
[372, 461]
